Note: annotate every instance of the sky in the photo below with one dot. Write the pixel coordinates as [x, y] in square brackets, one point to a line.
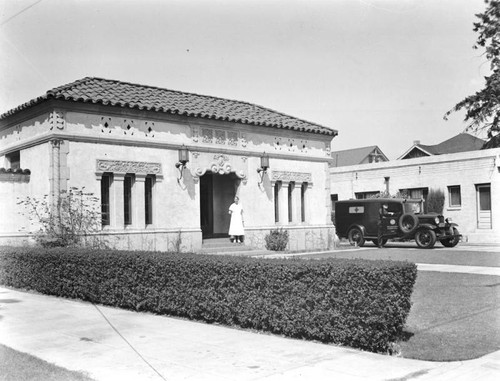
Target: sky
[379, 72]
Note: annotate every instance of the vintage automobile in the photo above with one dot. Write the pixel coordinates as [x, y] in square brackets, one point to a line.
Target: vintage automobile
[397, 218]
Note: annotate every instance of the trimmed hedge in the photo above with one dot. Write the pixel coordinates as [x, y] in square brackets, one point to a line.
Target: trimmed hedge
[357, 303]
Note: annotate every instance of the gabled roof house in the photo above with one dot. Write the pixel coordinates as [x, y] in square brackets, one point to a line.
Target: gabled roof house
[363, 155]
[460, 143]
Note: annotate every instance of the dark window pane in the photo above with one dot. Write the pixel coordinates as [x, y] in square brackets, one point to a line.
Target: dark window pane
[484, 198]
[105, 186]
[127, 200]
[277, 187]
[148, 193]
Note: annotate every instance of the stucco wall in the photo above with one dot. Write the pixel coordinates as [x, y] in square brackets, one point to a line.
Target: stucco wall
[93, 136]
[466, 169]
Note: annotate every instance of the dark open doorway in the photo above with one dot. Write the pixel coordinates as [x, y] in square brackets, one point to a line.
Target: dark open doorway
[216, 195]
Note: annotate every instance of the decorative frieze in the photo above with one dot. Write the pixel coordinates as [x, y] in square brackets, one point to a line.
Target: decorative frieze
[289, 176]
[119, 166]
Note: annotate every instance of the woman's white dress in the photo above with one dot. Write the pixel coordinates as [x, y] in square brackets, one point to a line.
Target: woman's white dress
[236, 225]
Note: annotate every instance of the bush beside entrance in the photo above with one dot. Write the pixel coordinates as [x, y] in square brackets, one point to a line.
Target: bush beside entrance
[357, 303]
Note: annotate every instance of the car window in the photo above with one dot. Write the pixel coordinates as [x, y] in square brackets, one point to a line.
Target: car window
[394, 207]
[412, 207]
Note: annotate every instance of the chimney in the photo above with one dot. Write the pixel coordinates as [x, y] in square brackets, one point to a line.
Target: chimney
[415, 142]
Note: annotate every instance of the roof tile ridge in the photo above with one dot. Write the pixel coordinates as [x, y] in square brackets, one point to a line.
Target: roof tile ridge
[198, 95]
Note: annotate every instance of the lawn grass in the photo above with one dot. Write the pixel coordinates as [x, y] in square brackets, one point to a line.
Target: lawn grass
[20, 366]
[453, 317]
[411, 253]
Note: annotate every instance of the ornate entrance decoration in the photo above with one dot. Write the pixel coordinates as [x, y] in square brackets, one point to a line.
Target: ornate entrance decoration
[219, 164]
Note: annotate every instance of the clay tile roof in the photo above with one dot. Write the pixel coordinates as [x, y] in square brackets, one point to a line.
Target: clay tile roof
[129, 95]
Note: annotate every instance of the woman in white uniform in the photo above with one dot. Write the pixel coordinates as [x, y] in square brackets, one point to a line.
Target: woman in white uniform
[236, 229]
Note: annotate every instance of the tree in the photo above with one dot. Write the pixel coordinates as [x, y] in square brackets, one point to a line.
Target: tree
[482, 108]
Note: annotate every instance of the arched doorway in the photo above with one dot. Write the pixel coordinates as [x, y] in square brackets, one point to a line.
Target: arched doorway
[216, 195]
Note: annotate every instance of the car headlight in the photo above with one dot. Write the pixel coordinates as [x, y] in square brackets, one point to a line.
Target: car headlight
[448, 220]
[436, 220]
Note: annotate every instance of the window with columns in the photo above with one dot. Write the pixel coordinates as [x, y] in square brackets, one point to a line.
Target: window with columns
[127, 192]
[290, 197]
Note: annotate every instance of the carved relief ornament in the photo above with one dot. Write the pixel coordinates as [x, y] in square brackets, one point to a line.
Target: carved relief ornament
[120, 166]
[289, 176]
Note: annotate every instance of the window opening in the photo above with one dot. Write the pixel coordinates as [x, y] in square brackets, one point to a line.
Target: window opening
[277, 187]
[127, 200]
[148, 193]
[105, 208]
[454, 196]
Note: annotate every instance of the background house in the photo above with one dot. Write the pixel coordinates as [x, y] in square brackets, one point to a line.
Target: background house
[166, 165]
[363, 155]
[469, 180]
[460, 143]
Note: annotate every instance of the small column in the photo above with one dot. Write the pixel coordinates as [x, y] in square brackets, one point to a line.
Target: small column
[297, 203]
[139, 201]
[117, 215]
[283, 200]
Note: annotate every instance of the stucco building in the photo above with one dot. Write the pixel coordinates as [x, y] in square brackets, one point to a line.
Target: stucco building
[166, 165]
[469, 180]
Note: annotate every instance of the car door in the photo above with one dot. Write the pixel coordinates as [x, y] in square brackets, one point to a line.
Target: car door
[390, 217]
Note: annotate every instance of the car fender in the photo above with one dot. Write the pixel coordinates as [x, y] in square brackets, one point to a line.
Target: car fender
[427, 226]
[360, 227]
[453, 225]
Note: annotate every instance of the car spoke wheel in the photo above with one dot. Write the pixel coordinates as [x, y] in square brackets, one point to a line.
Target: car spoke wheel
[451, 242]
[355, 237]
[425, 238]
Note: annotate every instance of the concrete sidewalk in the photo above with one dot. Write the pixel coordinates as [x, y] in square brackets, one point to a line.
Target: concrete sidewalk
[113, 344]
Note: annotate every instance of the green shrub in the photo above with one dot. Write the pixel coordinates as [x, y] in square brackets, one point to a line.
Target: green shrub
[357, 303]
[435, 201]
[277, 240]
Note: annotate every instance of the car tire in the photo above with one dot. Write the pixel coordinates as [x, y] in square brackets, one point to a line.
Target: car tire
[356, 237]
[408, 223]
[425, 238]
[383, 241]
[451, 242]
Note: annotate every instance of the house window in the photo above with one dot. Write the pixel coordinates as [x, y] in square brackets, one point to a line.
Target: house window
[364, 195]
[148, 194]
[13, 160]
[290, 201]
[277, 187]
[454, 196]
[127, 199]
[303, 190]
[105, 208]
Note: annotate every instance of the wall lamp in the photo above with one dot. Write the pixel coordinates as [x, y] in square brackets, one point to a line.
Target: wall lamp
[183, 159]
[264, 165]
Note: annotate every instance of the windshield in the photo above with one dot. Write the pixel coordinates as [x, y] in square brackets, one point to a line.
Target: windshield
[413, 207]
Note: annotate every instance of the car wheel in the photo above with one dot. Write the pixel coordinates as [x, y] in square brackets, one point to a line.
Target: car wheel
[451, 242]
[383, 242]
[355, 237]
[425, 238]
[408, 223]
